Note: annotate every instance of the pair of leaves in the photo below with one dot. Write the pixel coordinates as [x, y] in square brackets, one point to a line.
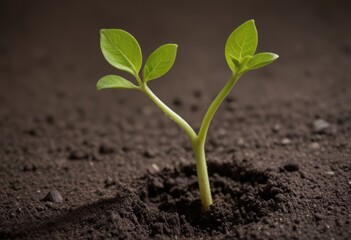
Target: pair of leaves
[241, 47]
[123, 52]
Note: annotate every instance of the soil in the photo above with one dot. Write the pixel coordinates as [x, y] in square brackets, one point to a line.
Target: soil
[80, 164]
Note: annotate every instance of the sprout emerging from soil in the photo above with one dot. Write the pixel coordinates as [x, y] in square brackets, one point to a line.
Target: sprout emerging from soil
[123, 52]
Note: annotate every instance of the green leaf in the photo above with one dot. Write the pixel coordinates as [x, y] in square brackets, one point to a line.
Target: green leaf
[113, 81]
[241, 42]
[261, 60]
[160, 62]
[121, 50]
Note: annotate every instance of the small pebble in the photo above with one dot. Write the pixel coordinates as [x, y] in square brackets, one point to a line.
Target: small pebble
[150, 153]
[314, 146]
[320, 125]
[51, 205]
[318, 216]
[40, 208]
[286, 141]
[276, 128]
[153, 169]
[291, 167]
[53, 196]
[330, 173]
[240, 142]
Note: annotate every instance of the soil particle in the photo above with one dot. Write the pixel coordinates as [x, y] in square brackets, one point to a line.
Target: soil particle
[276, 128]
[320, 125]
[177, 102]
[29, 168]
[105, 149]
[194, 108]
[32, 132]
[286, 141]
[53, 196]
[331, 173]
[318, 216]
[109, 182]
[240, 142]
[314, 146]
[150, 152]
[291, 167]
[275, 190]
[153, 169]
[78, 155]
[197, 94]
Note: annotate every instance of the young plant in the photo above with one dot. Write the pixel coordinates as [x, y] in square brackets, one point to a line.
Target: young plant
[123, 52]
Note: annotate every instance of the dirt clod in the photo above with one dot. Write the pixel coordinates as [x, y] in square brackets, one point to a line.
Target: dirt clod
[291, 167]
[109, 182]
[78, 155]
[105, 149]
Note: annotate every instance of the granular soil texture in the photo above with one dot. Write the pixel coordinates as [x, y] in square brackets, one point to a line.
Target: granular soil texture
[80, 164]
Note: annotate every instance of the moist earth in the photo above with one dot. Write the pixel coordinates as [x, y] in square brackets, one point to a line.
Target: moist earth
[80, 164]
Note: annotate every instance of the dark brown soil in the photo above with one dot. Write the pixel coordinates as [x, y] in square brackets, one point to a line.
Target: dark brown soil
[80, 164]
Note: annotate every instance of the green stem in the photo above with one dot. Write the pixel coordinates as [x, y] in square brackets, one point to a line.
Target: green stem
[199, 146]
[198, 141]
[214, 107]
[170, 113]
[202, 175]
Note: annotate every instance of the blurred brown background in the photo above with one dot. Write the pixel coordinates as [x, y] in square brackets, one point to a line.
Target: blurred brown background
[51, 47]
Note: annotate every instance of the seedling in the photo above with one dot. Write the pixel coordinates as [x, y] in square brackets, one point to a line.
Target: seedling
[123, 52]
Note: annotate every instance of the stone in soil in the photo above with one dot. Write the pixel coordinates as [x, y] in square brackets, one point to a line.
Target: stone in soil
[286, 141]
[314, 146]
[320, 125]
[53, 196]
[150, 153]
